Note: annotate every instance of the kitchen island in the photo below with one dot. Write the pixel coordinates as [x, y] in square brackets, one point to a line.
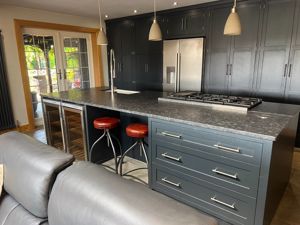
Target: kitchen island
[232, 165]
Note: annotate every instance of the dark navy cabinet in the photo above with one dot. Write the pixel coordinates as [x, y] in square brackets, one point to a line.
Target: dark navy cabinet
[236, 178]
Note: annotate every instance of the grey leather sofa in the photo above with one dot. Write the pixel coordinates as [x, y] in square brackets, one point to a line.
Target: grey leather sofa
[30, 169]
[82, 194]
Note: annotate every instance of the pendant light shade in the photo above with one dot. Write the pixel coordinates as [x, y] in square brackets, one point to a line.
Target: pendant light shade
[155, 32]
[233, 23]
[101, 39]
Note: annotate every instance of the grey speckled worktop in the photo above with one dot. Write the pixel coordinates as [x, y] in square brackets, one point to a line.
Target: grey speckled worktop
[265, 121]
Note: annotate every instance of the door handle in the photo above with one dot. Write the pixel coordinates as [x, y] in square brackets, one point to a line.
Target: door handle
[182, 26]
[59, 74]
[165, 179]
[227, 66]
[165, 155]
[65, 74]
[237, 150]
[214, 199]
[290, 71]
[285, 70]
[233, 176]
[171, 135]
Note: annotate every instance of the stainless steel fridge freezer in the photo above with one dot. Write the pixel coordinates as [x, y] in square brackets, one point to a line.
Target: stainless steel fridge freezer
[182, 64]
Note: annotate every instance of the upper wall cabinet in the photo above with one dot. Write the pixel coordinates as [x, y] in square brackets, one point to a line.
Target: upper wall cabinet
[121, 38]
[184, 24]
[231, 60]
[274, 49]
[293, 82]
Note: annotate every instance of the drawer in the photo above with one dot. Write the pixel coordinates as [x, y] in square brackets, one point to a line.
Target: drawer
[239, 177]
[235, 147]
[205, 197]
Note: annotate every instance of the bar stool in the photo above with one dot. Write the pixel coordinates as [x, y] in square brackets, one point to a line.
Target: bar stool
[138, 131]
[106, 124]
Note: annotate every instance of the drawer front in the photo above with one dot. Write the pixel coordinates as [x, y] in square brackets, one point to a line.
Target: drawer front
[233, 176]
[205, 197]
[218, 143]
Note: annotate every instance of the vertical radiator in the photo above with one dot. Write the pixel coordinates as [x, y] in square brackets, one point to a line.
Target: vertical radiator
[6, 113]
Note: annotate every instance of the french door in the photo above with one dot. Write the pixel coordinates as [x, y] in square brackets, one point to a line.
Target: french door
[56, 61]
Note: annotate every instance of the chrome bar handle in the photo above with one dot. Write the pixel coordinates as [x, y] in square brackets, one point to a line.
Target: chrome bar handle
[227, 66]
[164, 133]
[290, 71]
[232, 206]
[165, 155]
[165, 179]
[237, 150]
[285, 70]
[217, 171]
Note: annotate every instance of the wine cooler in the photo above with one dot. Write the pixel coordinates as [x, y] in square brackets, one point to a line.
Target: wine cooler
[65, 127]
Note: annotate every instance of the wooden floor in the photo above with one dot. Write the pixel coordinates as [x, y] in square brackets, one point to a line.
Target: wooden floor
[288, 212]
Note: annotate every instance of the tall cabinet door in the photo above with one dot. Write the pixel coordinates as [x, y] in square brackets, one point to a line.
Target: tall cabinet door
[293, 85]
[275, 48]
[217, 53]
[244, 49]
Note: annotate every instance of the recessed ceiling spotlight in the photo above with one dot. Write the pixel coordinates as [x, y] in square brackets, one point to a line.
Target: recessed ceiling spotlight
[174, 3]
[135, 11]
[106, 16]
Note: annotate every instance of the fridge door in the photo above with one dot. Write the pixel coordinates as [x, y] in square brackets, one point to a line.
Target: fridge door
[190, 64]
[170, 62]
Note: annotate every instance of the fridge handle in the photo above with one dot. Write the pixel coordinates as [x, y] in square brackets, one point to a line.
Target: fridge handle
[176, 75]
[179, 71]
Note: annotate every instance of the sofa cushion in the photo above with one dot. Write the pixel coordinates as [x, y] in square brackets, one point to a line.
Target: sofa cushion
[30, 168]
[1, 178]
[12, 213]
[86, 193]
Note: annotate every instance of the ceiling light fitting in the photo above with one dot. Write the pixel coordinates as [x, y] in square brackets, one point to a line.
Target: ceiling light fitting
[233, 24]
[155, 32]
[101, 39]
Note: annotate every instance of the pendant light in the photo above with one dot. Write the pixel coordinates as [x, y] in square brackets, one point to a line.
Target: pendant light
[101, 39]
[233, 23]
[155, 32]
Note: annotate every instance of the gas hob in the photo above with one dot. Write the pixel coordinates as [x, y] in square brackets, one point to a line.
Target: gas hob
[213, 99]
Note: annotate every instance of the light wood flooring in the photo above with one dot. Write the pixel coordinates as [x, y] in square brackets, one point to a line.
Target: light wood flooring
[288, 212]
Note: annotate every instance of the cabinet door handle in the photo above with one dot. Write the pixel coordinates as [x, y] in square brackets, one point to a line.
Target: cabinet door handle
[237, 150]
[227, 66]
[232, 206]
[230, 70]
[145, 68]
[165, 155]
[165, 179]
[217, 171]
[164, 133]
[182, 24]
[285, 70]
[290, 71]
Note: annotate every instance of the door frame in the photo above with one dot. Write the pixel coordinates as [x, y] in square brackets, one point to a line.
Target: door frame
[96, 56]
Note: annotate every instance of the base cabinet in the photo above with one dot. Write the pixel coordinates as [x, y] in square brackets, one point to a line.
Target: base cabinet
[228, 176]
[65, 127]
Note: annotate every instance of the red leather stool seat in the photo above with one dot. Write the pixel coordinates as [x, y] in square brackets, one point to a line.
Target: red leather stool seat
[106, 123]
[137, 130]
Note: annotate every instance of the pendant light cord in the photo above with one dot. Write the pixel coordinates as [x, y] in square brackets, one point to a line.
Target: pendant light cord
[234, 5]
[155, 9]
[99, 7]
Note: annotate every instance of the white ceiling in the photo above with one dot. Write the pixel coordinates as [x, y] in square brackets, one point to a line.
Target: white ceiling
[88, 8]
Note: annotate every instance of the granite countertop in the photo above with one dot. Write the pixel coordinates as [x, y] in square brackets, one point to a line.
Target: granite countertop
[266, 121]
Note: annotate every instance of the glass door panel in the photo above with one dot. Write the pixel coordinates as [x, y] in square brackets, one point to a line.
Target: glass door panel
[74, 129]
[54, 132]
[76, 62]
[41, 67]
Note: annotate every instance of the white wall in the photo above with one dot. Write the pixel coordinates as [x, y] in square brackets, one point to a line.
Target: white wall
[7, 15]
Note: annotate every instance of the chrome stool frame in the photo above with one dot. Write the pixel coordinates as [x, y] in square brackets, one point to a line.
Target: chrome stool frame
[109, 137]
[141, 143]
